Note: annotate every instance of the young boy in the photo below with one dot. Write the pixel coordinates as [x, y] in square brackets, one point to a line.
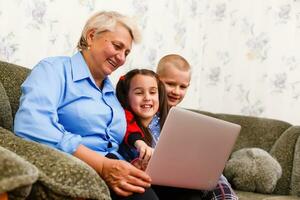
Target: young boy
[175, 72]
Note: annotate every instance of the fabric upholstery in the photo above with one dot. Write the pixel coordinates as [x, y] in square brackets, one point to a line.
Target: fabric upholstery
[283, 150]
[295, 180]
[11, 77]
[60, 175]
[257, 196]
[272, 136]
[253, 170]
[267, 130]
[6, 119]
[16, 175]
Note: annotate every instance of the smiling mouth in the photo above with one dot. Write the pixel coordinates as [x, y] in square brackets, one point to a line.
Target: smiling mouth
[173, 98]
[112, 63]
[146, 106]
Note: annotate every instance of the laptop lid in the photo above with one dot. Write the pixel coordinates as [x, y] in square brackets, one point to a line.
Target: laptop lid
[192, 150]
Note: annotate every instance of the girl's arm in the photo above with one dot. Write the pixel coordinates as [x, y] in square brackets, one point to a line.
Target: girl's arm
[133, 131]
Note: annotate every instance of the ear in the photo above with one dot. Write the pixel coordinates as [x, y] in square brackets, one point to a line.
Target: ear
[90, 36]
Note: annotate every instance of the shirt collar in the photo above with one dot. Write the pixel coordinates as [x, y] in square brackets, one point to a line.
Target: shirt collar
[80, 70]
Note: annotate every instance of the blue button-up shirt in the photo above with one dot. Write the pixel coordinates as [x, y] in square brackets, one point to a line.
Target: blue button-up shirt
[61, 106]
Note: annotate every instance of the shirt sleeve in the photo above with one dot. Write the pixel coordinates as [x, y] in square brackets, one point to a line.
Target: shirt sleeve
[37, 117]
[133, 131]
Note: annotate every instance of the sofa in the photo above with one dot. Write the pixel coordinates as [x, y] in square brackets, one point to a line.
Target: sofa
[30, 170]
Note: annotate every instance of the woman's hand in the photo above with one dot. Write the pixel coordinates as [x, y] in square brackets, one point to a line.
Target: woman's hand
[123, 178]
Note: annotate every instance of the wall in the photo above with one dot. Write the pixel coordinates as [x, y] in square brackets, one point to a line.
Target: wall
[245, 55]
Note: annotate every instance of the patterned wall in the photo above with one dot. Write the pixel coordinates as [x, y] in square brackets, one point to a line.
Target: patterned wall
[245, 55]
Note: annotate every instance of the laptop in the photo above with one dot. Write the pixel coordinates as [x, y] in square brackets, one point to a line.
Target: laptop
[192, 150]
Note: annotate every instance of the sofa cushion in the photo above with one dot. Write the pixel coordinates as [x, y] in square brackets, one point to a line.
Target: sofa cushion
[60, 175]
[16, 174]
[258, 196]
[254, 170]
[6, 118]
[11, 77]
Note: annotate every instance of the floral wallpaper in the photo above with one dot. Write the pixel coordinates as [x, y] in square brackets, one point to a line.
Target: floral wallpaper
[245, 55]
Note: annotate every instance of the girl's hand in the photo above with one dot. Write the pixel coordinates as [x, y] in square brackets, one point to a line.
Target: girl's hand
[145, 153]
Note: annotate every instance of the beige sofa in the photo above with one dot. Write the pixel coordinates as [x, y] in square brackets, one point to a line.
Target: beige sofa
[51, 174]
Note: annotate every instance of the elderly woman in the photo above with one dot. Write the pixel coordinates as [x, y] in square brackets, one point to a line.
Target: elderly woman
[69, 103]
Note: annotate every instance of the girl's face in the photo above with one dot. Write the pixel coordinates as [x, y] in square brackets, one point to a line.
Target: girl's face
[143, 97]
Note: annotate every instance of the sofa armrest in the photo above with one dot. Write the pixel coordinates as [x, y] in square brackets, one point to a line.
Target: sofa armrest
[295, 182]
[284, 152]
[59, 172]
[16, 175]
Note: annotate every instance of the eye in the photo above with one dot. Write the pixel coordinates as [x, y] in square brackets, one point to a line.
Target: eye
[171, 84]
[183, 87]
[126, 53]
[117, 46]
[138, 92]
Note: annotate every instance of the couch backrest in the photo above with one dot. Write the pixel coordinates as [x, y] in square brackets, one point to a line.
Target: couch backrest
[11, 78]
[256, 131]
[6, 119]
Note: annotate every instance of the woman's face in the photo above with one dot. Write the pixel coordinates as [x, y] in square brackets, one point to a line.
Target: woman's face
[143, 97]
[108, 50]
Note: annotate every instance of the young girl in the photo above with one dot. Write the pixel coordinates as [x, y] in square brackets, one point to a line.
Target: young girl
[143, 97]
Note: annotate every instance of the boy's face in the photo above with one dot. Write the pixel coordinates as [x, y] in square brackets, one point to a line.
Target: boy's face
[176, 83]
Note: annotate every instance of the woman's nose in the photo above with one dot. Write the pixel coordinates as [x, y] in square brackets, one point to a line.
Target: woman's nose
[121, 58]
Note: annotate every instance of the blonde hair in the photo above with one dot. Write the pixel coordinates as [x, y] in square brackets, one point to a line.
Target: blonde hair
[172, 60]
[107, 21]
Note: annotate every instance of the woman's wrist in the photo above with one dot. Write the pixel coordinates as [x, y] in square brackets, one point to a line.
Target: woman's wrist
[93, 159]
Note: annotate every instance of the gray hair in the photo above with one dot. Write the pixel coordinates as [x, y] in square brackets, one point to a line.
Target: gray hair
[107, 21]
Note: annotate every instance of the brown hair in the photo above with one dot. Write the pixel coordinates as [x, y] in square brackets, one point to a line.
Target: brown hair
[122, 91]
